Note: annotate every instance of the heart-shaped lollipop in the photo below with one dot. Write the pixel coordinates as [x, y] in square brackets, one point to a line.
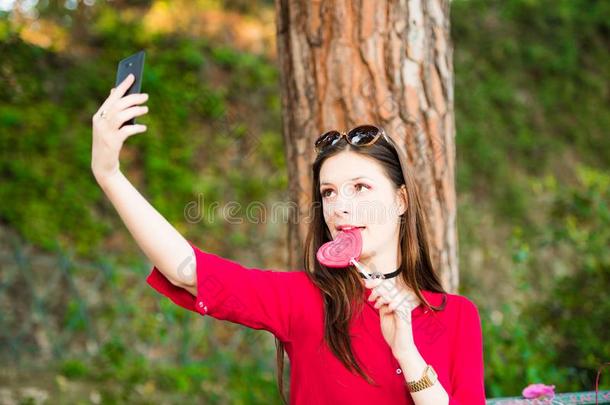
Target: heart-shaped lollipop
[340, 251]
[344, 250]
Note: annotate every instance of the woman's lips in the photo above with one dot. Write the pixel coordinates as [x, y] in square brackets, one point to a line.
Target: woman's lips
[347, 230]
[348, 227]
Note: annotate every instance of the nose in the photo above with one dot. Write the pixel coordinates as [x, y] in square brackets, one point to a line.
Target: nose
[343, 203]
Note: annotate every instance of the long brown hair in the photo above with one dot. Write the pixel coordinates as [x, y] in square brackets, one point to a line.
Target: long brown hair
[342, 290]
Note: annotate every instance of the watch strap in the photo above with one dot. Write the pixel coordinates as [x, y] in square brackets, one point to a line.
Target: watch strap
[428, 379]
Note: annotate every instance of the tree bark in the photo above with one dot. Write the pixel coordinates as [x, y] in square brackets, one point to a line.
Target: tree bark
[347, 63]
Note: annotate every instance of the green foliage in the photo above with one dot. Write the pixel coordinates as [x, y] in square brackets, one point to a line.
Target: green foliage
[49, 192]
[73, 368]
[531, 77]
[575, 311]
[557, 332]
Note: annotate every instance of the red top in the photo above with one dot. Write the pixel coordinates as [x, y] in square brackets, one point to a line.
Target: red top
[289, 305]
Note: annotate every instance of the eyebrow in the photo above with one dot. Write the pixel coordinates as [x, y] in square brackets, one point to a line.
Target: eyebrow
[355, 178]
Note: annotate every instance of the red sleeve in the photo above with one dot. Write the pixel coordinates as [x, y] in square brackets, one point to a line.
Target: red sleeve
[467, 377]
[226, 290]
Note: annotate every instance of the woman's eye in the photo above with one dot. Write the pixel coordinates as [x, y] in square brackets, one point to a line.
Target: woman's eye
[357, 186]
[362, 184]
[324, 195]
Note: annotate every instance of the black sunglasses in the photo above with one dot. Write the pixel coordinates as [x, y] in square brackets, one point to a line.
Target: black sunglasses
[363, 135]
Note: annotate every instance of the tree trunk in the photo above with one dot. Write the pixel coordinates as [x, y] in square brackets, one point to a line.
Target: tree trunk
[390, 63]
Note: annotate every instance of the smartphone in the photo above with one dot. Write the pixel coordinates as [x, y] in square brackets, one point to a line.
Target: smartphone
[131, 64]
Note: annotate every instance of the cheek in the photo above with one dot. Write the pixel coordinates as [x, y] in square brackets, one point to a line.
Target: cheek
[380, 219]
[326, 210]
[377, 238]
[374, 213]
[327, 214]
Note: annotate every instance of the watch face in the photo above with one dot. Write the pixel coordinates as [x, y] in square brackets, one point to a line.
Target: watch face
[431, 373]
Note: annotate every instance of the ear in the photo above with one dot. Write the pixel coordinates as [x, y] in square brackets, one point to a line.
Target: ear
[402, 199]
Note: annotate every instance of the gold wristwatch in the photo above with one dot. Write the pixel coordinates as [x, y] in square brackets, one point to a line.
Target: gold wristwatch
[427, 380]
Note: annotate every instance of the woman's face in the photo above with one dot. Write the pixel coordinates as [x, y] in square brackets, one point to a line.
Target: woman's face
[356, 191]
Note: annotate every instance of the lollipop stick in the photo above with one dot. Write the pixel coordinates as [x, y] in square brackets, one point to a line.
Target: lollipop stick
[359, 267]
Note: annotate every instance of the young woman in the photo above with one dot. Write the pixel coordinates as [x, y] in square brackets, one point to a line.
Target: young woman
[396, 339]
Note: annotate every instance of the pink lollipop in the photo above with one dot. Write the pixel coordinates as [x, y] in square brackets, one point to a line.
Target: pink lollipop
[344, 250]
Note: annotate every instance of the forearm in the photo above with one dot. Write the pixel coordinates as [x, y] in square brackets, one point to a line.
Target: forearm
[413, 365]
[164, 246]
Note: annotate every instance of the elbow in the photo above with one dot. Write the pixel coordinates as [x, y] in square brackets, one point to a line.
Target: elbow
[188, 285]
[183, 282]
[185, 274]
[182, 274]
[174, 282]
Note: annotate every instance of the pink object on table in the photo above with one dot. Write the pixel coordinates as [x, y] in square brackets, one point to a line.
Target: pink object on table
[344, 250]
[539, 391]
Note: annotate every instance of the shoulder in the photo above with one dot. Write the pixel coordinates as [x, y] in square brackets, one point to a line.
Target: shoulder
[466, 313]
[455, 305]
[463, 303]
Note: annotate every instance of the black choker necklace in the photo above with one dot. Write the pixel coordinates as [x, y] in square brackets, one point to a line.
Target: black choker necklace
[381, 275]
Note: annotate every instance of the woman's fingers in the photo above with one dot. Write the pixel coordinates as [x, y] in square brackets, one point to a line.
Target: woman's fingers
[130, 113]
[393, 295]
[120, 90]
[116, 93]
[121, 107]
[381, 300]
[129, 130]
[401, 300]
[372, 283]
[377, 290]
[130, 100]
[397, 302]
[384, 310]
[405, 301]
[387, 288]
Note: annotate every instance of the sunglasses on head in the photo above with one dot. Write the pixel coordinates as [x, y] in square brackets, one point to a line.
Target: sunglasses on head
[363, 135]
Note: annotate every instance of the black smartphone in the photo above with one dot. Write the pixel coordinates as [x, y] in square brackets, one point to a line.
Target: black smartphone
[131, 64]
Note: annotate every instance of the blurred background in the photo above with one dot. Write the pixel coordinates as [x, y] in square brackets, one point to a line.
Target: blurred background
[78, 322]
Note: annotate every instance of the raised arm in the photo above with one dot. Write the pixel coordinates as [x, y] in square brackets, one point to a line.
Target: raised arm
[159, 240]
[169, 251]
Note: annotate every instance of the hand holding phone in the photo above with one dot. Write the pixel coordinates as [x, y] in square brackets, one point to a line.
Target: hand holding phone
[133, 64]
[114, 121]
